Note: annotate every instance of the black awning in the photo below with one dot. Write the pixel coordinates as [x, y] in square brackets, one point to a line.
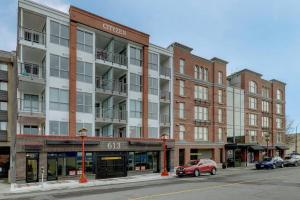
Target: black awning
[145, 143]
[257, 148]
[70, 142]
[282, 147]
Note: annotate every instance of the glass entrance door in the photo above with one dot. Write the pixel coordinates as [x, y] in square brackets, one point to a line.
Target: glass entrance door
[32, 167]
[52, 169]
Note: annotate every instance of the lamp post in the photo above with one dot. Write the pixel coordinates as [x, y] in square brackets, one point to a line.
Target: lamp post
[82, 134]
[267, 138]
[164, 172]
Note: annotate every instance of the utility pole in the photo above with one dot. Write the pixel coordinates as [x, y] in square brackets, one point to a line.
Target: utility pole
[296, 142]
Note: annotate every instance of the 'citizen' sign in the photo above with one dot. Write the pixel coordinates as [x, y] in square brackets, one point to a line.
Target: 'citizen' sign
[114, 29]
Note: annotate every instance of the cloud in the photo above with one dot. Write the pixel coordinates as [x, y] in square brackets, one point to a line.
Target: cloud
[56, 4]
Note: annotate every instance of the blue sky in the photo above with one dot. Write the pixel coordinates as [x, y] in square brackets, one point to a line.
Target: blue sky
[263, 36]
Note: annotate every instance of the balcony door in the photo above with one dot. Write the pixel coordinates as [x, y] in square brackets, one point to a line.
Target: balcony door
[31, 103]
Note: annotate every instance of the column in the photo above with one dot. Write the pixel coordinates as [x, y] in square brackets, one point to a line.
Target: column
[145, 93]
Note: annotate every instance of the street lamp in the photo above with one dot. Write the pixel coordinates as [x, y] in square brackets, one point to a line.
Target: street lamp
[164, 172]
[267, 138]
[82, 134]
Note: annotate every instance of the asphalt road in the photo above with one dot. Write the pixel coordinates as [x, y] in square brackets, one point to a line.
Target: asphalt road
[227, 185]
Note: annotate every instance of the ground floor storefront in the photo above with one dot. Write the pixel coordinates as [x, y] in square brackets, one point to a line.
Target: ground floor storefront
[62, 159]
[4, 162]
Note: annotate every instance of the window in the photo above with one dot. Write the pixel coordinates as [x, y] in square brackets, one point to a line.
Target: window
[220, 117]
[201, 92]
[265, 92]
[278, 108]
[135, 82]
[279, 137]
[3, 106]
[30, 130]
[153, 110]
[197, 72]
[136, 56]
[58, 128]
[205, 78]
[252, 120]
[279, 95]
[31, 103]
[181, 110]
[152, 132]
[220, 135]
[3, 86]
[3, 126]
[278, 123]
[252, 136]
[252, 103]
[181, 132]
[265, 106]
[84, 102]
[181, 88]
[59, 66]
[265, 122]
[88, 126]
[59, 34]
[153, 61]
[201, 113]
[252, 87]
[181, 66]
[220, 96]
[135, 132]
[84, 41]
[153, 86]
[84, 72]
[135, 109]
[59, 99]
[220, 78]
[3, 67]
[201, 133]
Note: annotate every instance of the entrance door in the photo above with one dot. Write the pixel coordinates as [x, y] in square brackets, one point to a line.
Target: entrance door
[111, 166]
[52, 169]
[32, 167]
[181, 157]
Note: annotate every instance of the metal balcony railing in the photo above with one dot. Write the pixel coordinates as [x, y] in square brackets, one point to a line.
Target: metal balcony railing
[111, 57]
[164, 119]
[111, 85]
[111, 114]
[32, 35]
[31, 106]
[165, 95]
[31, 70]
[165, 71]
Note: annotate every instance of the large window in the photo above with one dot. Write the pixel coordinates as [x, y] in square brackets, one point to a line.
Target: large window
[84, 102]
[153, 110]
[220, 115]
[278, 123]
[278, 137]
[205, 77]
[252, 103]
[3, 86]
[59, 34]
[252, 136]
[220, 135]
[197, 72]
[3, 106]
[88, 126]
[279, 95]
[220, 78]
[153, 86]
[181, 66]
[252, 87]
[3, 126]
[265, 92]
[84, 72]
[265, 106]
[279, 108]
[59, 99]
[201, 133]
[84, 41]
[201, 113]
[3, 66]
[59, 66]
[265, 122]
[153, 61]
[135, 82]
[30, 130]
[252, 120]
[136, 56]
[58, 128]
[181, 132]
[135, 132]
[135, 109]
[31, 103]
[201, 92]
[152, 132]
[181, 88]
[220, 96]
[181, 110]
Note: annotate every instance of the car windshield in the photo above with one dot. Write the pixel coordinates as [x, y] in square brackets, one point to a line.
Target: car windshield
[192, 162]
[267, 159]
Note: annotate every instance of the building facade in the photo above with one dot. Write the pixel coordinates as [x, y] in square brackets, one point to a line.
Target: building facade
[79, 70]
[199, 106]
[256, 125]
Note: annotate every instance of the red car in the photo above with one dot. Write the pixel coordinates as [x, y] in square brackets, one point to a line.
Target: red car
[196, 167]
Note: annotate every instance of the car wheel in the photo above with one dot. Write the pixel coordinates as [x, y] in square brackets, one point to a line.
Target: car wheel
[213, 171]
[273, 166]
[282, 165]
[196, 173]
[296, 164]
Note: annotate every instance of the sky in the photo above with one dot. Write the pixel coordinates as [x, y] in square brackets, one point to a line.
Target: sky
[263, 36]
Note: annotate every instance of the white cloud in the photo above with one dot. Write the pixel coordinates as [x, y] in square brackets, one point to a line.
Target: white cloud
[56, 4]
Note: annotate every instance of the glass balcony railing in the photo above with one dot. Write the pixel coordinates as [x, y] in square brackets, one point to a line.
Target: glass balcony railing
[111, 85]
[165, 95]
[165, 71]
[165, 119]
[111, 114]
[31, 106]
[111, 57]
[31, 35]
[31, 70]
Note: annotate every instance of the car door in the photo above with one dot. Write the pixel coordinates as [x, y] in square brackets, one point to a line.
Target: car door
[201, 166]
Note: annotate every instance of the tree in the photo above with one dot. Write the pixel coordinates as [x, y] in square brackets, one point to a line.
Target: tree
[289, 127]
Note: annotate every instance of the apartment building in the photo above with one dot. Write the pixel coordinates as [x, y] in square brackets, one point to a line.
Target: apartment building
[256, 117]
[199, 106]
[78, 70]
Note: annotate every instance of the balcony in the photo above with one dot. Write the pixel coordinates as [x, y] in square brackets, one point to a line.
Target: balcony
[165, 96]
[165, 120]
[110, 115]
[112, 87]
[31, 109]
[112, 58]
[32, 37]
[31, 72]
[165, 71]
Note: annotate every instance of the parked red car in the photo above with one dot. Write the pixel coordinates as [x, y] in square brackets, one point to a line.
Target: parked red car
[196, 167]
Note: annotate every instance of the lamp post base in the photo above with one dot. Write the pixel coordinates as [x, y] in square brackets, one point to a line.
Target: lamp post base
[164, 173]
[83, 179]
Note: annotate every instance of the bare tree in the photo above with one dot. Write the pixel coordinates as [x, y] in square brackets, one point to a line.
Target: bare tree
[289, 125]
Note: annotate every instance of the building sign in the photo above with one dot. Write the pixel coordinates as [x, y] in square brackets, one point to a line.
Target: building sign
[112, 158]
[114, 29]
[113, 145]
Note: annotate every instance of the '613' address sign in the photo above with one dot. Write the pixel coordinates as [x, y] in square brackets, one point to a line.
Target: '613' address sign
[113, 145]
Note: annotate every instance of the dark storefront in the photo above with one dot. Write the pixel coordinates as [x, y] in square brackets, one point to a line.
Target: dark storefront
[4, 162]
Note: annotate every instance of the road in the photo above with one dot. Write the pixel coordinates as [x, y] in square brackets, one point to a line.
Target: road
[227, 185]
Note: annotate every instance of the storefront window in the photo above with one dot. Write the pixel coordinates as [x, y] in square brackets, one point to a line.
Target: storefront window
[143, 161]
[89, 162]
